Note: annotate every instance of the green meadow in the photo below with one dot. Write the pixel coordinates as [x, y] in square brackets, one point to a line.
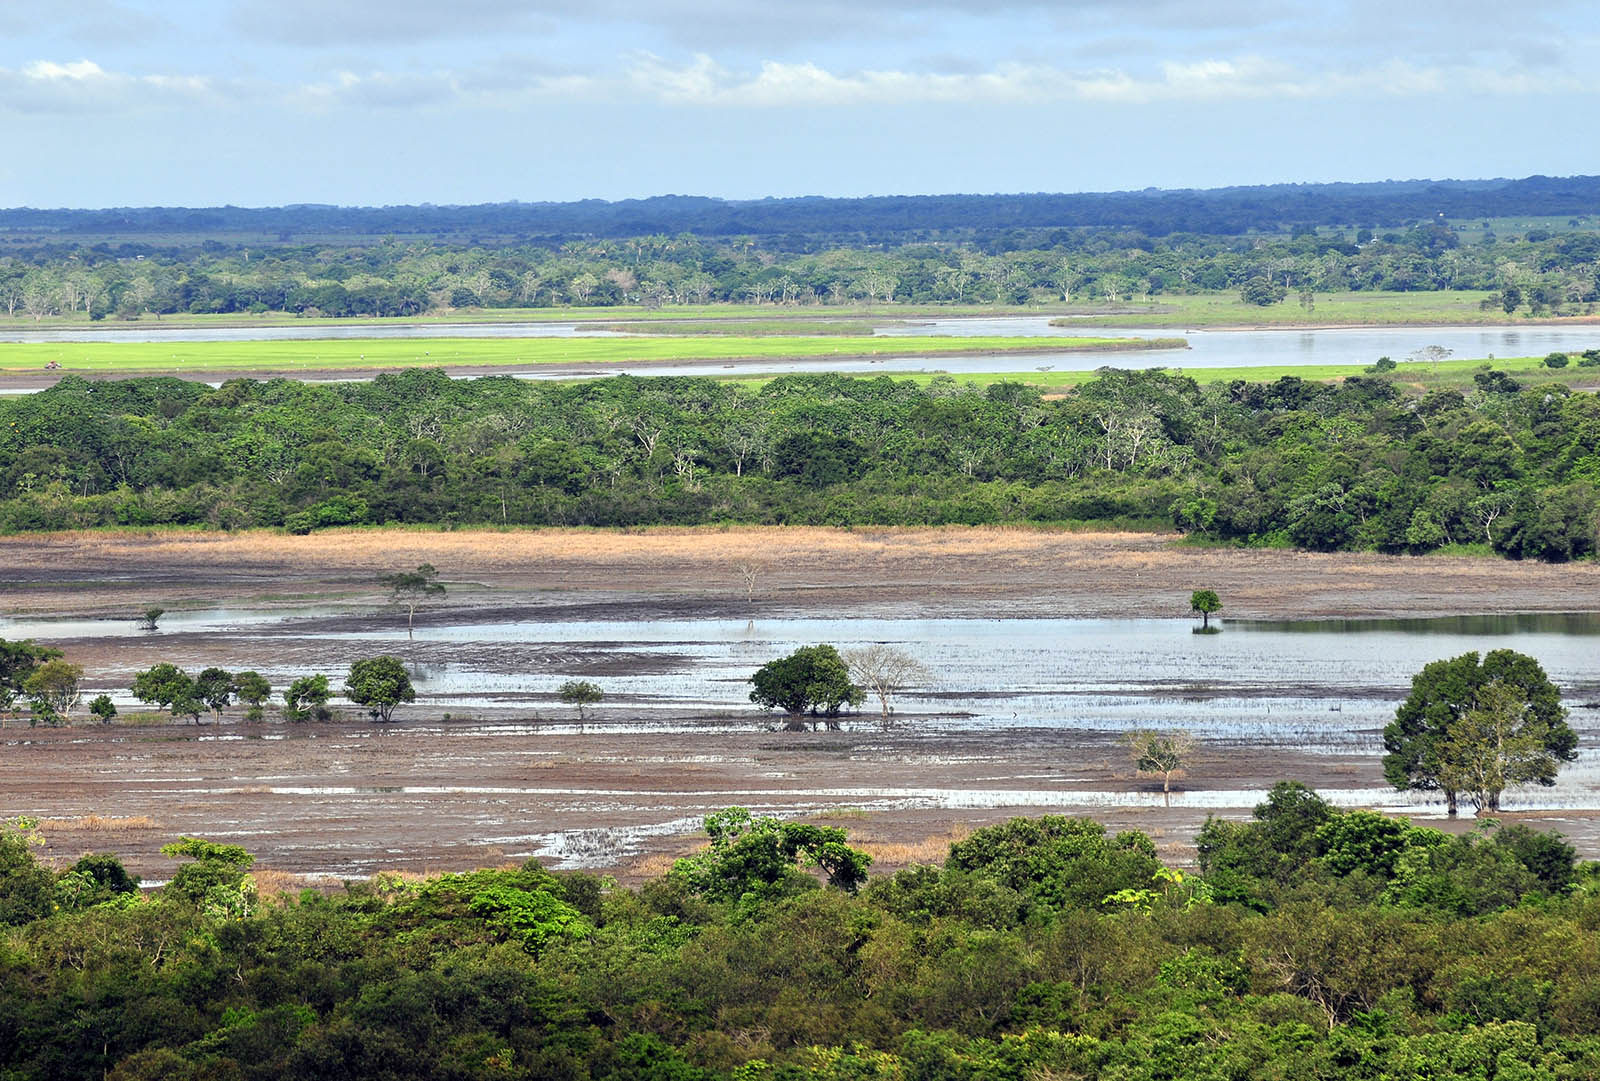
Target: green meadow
[1447, 375]
[289, 357]
[1367, 308]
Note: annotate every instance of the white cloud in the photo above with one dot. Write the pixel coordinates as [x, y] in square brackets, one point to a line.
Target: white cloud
[50, 86]
[78, 70]
[704, 82]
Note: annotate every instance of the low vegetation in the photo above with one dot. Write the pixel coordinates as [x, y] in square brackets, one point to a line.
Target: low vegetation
[1315, 943]
[193, 359]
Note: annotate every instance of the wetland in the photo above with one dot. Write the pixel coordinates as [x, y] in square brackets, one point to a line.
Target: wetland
[1046, 645]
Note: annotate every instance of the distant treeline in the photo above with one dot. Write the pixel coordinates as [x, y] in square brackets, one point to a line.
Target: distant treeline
[1236, 210]
[1316, 944]
[1539, 270]
[1355, 465]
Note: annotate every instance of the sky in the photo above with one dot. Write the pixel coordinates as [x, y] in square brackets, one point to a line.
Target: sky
[381, 102]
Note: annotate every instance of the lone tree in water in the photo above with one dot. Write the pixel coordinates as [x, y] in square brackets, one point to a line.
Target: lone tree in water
[812, 679]
[1205, 601]
[411, 588]
[580, 693]
[380, 684]
[1477, 728]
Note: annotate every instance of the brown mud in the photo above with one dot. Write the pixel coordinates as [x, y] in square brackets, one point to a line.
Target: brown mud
[625, 794]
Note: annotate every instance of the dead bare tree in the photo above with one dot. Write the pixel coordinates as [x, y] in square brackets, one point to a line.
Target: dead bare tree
[886, 670]
[1165, 753]
[750, 571]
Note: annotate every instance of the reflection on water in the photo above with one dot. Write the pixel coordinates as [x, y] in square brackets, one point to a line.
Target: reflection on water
[1324, 686]
[1520, 623]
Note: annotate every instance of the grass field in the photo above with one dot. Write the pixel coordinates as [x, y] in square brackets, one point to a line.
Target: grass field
[797, 325]
[1207, 310]
[289, 357]
[1449, 374]
[1331, 309]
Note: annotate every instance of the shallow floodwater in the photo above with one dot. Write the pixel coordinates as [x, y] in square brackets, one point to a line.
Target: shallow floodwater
[1325, 686]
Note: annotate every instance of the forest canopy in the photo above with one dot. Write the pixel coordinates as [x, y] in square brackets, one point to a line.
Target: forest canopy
[1317, 943]
[1360, 464]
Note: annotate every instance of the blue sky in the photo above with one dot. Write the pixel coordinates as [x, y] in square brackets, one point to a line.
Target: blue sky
[264, 102]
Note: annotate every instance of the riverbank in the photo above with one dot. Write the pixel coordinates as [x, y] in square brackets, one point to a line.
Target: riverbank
[27, 366]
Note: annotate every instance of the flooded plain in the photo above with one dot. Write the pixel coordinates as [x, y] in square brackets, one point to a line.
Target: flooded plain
[1046, 648]
[1024, 717]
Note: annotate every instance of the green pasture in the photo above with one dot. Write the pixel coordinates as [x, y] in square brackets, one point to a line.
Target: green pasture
[289, 357]
[1448, 375]
[1211, 310]
[1371, 308]
[748, 327]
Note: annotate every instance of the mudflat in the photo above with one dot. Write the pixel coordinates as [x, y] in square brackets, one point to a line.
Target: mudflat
[625, 794]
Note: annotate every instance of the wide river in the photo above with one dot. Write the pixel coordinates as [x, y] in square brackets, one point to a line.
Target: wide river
[1207, 348]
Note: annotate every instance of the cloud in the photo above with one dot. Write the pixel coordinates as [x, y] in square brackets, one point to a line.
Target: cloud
[74, 86]
[704, 82]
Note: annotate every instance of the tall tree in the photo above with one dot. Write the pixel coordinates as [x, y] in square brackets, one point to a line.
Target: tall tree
[1478, 728]
[411, 588]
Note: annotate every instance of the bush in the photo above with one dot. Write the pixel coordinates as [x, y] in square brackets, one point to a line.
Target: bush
[812, 679]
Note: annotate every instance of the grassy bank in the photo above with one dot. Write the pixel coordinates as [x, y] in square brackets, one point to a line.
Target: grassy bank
[1225, 309]
[1218, 309]
[1447, 375]
[289, 357]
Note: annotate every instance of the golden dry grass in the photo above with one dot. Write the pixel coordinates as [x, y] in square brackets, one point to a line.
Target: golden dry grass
[652, 866]
[93, 823]
[929, 850]
[277, 883]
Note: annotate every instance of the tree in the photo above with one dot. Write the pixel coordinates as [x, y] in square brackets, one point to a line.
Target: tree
[761, 857]
[103, 709]
[1432, 354]
[53, 686]
[151, 617]
[1478, 728]
[412, 588]
[1205, 601]
[885, 670]
[307, 699]
[750, 572]
[1262, 291]
[252, 690]
[812, 679]
[216, 880]
[18, 661]
[580, 693]
[214, 687]
[1165, 753]
[380, 684]
[163, 685]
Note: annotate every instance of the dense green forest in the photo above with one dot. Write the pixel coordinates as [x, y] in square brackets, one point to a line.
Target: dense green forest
[1221, 211]
[1361, 464]
[1315, 944]
[1536, 271]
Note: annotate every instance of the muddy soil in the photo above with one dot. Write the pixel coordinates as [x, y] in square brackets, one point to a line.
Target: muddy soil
[347, 799]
